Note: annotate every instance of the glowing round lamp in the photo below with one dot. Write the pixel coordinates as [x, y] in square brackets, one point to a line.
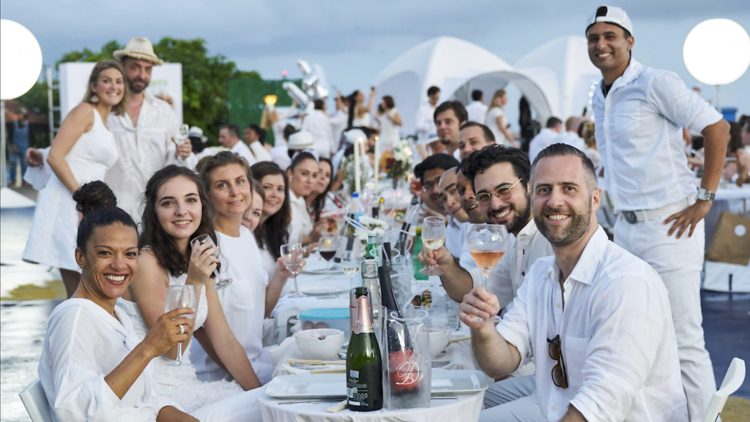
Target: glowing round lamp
[20, 60]
[717, 51]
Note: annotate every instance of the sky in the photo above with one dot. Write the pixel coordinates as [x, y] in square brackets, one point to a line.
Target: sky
[354, 40]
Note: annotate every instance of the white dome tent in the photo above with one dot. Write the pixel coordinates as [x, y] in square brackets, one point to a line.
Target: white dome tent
[445, 62]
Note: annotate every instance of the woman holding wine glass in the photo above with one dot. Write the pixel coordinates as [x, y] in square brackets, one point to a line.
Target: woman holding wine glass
[253, 294]
[274, 226]
[176, 212]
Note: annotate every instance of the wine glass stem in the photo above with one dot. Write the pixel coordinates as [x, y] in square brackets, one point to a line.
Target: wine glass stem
[296, 288]
[179, 354]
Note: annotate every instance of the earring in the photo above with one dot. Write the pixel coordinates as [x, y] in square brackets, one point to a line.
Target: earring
[94, 99]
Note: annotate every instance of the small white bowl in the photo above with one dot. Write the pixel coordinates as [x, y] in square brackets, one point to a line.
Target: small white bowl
[440, 336]
[319, 344]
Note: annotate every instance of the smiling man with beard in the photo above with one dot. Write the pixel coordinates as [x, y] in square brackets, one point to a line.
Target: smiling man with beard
[594, 318]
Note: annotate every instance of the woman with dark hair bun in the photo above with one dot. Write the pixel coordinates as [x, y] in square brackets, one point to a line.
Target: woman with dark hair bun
[274, 228]
[92, 366]
[253, 294]
[176, 211]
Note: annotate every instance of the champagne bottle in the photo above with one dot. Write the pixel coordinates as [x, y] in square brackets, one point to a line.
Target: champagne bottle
[416, 265]
[370, 278]
[364, 383]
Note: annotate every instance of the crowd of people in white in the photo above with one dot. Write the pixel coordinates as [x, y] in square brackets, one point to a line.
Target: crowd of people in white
[591, 329]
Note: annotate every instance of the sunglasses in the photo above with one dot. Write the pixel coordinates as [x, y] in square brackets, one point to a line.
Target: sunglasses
[559, 374]
[501, 193]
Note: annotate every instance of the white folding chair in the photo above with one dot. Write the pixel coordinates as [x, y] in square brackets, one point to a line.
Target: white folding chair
[732, 382]
[35, 400]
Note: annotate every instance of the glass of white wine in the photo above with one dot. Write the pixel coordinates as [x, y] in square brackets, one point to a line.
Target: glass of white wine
[180, 296]
[433, 237]
[351, 262]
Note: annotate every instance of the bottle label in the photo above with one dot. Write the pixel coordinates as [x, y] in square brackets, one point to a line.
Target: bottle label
[362, 319]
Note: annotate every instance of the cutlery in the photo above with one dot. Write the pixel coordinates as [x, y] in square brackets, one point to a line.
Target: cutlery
[337, 407]
[316, 362]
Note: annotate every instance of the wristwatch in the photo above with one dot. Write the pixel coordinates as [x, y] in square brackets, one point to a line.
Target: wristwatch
[705, 195]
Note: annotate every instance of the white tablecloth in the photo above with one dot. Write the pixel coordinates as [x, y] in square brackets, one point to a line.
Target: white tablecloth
[464, 408]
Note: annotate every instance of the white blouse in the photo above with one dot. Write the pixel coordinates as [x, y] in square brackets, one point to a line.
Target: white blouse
[83, 344]
[302, 223]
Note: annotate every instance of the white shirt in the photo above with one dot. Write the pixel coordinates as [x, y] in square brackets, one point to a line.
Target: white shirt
[83, 344]
[639, 136]
[389, 135]
[280, 156]
[426, 121]
[241, 149]
[143, 150]
[243, 301]
[491, 122]
[571, 138]
[338, 124]
[477, 111]
[260, 152]
[508, 275]
[278, 127]
[302, 223]
[618, 341]
[541, 141]
[455, 236]
[319, 125]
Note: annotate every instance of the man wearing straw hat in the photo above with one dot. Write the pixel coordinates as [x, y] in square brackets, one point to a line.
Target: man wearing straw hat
[145, 136]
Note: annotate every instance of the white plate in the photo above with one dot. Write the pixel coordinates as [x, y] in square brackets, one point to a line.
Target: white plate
[308, 386]
[323, 290]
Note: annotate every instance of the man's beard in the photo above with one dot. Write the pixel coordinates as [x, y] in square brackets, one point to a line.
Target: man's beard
[517, 222]
[134, 89]
[579, 225]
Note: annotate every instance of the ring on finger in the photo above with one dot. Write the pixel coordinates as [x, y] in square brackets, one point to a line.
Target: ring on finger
[182, 329]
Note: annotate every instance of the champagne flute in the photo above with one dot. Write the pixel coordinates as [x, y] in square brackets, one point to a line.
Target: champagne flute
[433, 237]
[292, 257]
[201, 240]
[180, 296]
[351, 262]
[327, 247]
[487, 244]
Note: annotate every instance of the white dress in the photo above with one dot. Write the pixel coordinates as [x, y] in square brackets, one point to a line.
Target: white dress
[491, 122]
[180, 383]
[388, 131]
[52, 239]
[361, 121]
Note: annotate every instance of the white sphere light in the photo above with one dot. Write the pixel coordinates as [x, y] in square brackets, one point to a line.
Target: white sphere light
[20, 59]
[717, 51]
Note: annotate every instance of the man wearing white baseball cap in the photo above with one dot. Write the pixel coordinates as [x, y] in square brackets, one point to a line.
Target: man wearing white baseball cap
[640, 113]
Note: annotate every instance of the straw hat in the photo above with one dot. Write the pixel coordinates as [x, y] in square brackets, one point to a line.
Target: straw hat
[139, 48]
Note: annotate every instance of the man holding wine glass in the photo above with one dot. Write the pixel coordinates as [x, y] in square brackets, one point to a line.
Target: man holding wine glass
[580, 315]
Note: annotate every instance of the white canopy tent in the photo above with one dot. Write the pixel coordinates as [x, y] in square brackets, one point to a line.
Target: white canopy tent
[445, 62]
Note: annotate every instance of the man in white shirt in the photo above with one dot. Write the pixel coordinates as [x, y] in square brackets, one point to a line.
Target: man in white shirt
[639, 114]
[429, 172]
[471, 208]
[449, 117]
[472, 137]
[581, 315]
[319, 125]
[426, 115]
[255, 137]
[570, 136]
[458, 220]
[476, 109]
[229, 137]
[544, 138]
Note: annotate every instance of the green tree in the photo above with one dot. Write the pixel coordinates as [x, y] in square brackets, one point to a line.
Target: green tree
[86, 55]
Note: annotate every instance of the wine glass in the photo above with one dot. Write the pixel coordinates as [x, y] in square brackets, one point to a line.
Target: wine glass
[351, 261]
[180, 296]
[487, 244]
[433, 237]
[292, 257]
[203, 239]
[327, 247]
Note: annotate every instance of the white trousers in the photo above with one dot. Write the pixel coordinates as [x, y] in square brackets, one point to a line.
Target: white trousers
[679, 263]
[512, 400]
[242, 407]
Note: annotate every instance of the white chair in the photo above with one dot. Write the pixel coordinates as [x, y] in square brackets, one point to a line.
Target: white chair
[35, 400]
[732, 382]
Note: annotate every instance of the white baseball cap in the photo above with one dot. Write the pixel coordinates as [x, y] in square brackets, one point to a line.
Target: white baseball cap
[613, 15]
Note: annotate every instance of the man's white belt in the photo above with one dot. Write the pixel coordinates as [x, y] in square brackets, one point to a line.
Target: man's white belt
[640, 216]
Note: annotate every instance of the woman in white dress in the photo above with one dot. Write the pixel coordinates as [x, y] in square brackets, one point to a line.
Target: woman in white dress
[92, 365]
[390, 121]
[83, 150]
[301, 174]
[274, 227]
[359, 113]
[252, 295]
[495, 119]
[176, 211]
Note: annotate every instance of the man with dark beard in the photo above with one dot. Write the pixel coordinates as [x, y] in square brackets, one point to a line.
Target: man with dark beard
[594, 318]
[500, 178]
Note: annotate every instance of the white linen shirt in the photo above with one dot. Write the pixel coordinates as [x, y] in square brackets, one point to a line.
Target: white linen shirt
[541, 141]
[143, 150]
[639, 135]
[455, 236]
[618, 341]
[302, 223]
[319, 125]
[241, 149]
[83, 344]
[426, 121]
[477, 111]
[508, 275]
